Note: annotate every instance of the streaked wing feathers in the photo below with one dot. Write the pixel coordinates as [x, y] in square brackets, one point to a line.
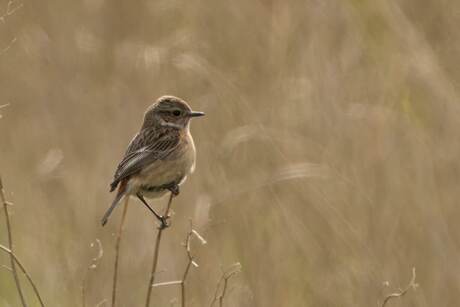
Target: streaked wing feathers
[146, 148]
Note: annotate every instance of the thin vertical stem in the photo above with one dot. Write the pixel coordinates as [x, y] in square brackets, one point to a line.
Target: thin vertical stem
[224, 291]
[10, 245]
[117, 250]
[189, 262]
[156, 253]
[24, 271]
[182, 284]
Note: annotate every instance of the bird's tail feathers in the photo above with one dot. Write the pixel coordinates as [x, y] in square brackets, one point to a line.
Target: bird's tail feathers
[113, 185]
[121, 192]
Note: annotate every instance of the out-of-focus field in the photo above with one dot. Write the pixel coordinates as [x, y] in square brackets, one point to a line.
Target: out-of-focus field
[328, 162]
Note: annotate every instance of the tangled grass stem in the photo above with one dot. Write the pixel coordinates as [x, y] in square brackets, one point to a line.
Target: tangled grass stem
[412, 285]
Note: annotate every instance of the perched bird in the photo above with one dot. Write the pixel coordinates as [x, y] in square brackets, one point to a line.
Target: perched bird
[159, 157]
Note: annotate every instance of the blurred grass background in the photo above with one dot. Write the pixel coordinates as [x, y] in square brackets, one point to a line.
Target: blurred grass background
[327, 163]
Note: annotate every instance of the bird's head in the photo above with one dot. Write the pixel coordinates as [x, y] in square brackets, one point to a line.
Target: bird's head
[169, 111]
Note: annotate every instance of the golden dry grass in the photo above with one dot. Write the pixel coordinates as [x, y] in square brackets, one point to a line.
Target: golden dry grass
[327, 163]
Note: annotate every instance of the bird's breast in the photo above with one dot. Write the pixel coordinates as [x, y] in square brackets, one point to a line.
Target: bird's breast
[174, 168]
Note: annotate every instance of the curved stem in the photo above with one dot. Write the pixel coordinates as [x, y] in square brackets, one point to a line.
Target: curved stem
[411, 285]
[24, 271]
[10, 245]
[222, 284]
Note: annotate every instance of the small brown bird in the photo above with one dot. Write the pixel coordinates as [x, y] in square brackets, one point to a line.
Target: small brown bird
[159, 157]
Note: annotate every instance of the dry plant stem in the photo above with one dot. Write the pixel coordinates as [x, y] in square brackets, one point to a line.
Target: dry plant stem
[10, 245]
[117, 250]
[235, 269]
[23, 269]
[189, 264]
[411, 285]
[156, 252]
[192, 232]
[182, 284]
[224, 290]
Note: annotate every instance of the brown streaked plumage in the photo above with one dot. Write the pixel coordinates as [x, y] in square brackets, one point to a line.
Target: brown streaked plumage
[159, 157]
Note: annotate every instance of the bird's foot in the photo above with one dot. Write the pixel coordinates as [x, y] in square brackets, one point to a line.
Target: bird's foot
[163, 222]
[174, 189]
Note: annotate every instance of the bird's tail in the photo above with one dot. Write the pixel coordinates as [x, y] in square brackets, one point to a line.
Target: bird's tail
[120, 193]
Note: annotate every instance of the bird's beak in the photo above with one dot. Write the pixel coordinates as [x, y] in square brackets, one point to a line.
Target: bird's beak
[195, 114]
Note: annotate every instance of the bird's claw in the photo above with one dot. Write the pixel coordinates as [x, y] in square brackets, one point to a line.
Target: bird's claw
[164, 222]
[174, 189]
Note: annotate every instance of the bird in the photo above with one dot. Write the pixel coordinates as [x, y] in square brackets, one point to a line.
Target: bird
[159, 157]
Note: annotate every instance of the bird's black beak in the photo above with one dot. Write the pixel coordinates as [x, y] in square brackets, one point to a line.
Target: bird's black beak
[195, 114]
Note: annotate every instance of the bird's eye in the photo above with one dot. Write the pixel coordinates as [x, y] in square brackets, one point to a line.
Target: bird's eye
[176, 112]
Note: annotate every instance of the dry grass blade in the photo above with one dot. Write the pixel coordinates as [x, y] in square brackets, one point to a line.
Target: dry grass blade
[117, 250]
[101, 303]
[412, 285]
[3, 105]
[167, 283]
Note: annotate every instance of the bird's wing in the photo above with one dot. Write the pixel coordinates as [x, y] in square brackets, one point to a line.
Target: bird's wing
[146, 148]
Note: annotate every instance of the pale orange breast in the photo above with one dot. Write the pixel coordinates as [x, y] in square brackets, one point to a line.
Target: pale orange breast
[173, 169]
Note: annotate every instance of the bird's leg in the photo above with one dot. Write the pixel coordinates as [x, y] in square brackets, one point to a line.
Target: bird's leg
[173, 188]
[162, 219]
